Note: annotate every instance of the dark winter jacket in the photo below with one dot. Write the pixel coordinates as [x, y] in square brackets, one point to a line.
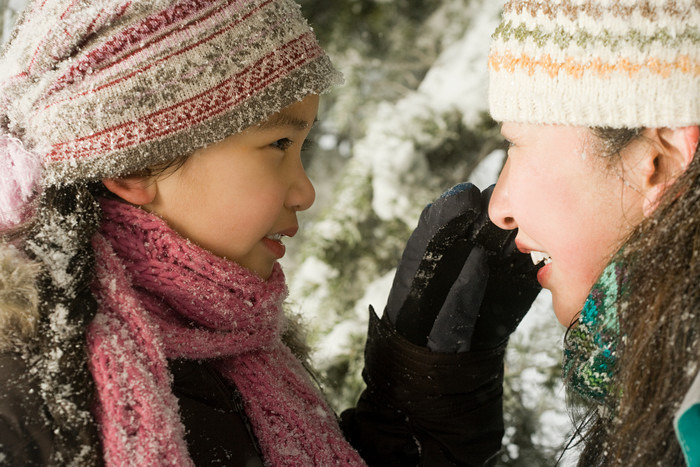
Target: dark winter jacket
[420, 408]
[218, 432]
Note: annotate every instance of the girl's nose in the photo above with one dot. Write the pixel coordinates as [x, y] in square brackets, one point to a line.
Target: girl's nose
[499, 206]
[301, 194]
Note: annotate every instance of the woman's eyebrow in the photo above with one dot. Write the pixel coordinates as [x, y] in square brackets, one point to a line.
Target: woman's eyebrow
[285, 120]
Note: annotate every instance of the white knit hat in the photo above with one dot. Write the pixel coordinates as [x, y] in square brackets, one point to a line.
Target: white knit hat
[620, 63]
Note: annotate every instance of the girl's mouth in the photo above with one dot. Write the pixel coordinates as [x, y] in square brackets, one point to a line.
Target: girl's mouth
[274, 243]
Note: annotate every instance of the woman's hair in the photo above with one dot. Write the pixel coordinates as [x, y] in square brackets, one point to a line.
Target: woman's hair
[659, 318]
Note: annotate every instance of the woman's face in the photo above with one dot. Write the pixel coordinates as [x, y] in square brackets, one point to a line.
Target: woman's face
[567, 203]
[240, 197]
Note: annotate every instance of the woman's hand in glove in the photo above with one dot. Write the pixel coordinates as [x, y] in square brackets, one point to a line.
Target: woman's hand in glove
[461, 284]
[434, 363]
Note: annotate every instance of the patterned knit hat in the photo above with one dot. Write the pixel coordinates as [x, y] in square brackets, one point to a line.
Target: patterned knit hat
[99, 88]
[597, 63]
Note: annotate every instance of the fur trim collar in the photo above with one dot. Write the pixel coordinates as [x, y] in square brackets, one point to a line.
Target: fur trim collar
[19, 297]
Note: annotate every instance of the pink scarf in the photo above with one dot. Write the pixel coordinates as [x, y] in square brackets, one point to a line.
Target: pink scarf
[162, 297]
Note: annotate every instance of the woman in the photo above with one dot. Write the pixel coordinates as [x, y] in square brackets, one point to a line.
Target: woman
[150, 154]
[600, 103]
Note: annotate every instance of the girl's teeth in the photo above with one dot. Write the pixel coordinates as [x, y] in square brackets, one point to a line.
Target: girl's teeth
[275, 237]
[539, 256]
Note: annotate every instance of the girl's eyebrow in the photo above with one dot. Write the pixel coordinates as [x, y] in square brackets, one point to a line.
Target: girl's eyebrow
[285, 120]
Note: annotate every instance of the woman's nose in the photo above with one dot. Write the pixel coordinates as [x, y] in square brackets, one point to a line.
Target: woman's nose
[499, 206]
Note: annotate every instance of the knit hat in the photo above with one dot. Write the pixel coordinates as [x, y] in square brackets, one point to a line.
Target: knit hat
[597, 63]
[100, 88]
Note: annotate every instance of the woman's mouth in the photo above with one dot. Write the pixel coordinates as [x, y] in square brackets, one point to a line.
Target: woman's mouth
[540, 256]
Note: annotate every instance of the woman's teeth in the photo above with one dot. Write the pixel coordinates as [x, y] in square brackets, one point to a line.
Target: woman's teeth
[276, 237]
[539, 256]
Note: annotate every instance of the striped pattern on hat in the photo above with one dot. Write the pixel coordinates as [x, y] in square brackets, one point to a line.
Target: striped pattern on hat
[608, 63]
[110, 87]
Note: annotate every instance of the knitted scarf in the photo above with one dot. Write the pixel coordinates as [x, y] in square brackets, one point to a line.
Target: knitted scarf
[590, 347]
[162, 297]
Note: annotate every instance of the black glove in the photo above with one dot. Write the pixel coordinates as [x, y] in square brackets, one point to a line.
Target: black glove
[434, 362]
[461, 284]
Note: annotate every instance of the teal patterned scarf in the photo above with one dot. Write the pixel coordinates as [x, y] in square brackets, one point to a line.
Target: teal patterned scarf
[590, 346]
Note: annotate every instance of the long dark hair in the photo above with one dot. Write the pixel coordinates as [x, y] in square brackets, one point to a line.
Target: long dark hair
[58, 240]
[659, 317]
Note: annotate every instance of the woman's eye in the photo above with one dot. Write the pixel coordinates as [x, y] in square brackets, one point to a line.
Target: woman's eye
[283, 144]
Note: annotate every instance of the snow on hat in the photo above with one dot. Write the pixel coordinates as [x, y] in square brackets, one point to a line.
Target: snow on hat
[99, 88]
[597, 63]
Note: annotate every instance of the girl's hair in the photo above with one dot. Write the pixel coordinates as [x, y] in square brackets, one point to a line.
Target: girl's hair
[59, 241]
[659, 318]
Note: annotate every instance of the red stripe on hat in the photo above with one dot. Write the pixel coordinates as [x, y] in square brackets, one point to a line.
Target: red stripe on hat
[197, 109]
[134, 36]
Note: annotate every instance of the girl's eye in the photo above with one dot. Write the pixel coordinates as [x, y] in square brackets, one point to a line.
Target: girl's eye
[306, 145]
[283, 144]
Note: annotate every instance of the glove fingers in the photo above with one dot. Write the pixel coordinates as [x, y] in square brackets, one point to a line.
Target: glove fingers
[454, 202]
[443, 260]
[451, 204]
[454, 325]
[510, 293]
[439, 269]
[499, 319]
[516, 272]
[450, 215]
[401, 286]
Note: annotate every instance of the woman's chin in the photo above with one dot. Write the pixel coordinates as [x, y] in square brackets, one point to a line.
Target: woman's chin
[566, 310]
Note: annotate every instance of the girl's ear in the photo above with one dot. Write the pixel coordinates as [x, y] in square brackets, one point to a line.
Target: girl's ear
[134, 190]
[672, 151]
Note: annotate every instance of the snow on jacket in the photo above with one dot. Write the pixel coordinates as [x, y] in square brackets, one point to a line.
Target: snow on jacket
[420, 408]
[217, 429]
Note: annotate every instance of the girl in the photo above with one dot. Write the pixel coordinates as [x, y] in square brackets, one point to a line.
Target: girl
[152, 335]
[600, 104]
[150, 153]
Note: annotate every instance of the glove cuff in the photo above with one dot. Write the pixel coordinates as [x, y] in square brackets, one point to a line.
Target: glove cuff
[425, 383]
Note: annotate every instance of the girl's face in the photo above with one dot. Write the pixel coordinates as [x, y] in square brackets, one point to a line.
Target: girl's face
[566, 203]
[239, 197]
